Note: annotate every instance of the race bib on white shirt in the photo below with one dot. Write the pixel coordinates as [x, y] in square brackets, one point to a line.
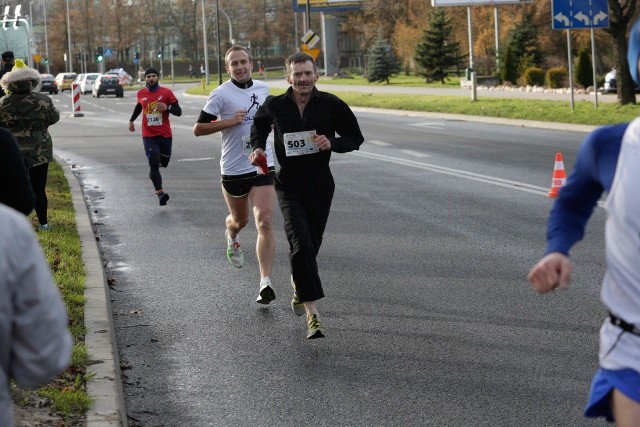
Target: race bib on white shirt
[154, 119]
[246, 145]
[300, 143]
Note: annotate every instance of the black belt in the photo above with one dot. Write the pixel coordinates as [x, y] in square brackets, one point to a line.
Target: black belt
[627, 327]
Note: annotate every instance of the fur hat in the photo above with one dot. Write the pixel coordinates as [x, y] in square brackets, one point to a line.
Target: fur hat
[20, 75]
[633, 53]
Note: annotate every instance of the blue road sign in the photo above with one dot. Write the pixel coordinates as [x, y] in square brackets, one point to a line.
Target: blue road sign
[108, 52]
[578, 14]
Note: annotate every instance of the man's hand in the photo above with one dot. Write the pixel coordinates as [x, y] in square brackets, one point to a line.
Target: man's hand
[322, 142]
[255, 155]
[552, 271]
[132, 127]
[238, 117]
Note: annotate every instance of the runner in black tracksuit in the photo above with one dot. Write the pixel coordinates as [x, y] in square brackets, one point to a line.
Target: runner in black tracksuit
[306, 124]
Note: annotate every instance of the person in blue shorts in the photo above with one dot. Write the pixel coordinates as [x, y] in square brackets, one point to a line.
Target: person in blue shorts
[608, 160]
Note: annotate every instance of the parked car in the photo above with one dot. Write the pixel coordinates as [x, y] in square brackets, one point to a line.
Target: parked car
[610, 82]
[48, 84]
[64, 81]
[107, 85]
[86, 82]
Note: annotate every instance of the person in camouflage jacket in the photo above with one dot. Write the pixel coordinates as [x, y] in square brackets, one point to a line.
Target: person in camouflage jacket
[28, 114]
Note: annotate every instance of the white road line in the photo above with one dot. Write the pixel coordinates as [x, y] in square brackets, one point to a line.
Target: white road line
[377, 142]
[514, 185]
[201, 159]
[414, 153]
[429, 125]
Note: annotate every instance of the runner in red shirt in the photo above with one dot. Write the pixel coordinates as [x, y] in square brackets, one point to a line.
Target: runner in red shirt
[155, 103]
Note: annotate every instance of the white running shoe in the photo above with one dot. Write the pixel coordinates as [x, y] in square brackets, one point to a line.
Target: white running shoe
[234, 253]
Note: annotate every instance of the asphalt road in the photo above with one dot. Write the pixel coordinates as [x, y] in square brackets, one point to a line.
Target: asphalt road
[429, 317]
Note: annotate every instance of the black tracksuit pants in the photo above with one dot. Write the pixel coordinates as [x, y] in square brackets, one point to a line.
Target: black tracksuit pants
[305, 204]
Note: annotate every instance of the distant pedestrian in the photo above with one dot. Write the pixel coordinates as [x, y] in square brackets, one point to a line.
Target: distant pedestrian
[35, 343]
[15, 188]
[191, 73]
[156, 103]
[202, 71]
[28, 115]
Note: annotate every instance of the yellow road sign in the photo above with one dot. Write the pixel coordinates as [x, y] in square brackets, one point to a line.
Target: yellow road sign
[313, 52]
[37, 57]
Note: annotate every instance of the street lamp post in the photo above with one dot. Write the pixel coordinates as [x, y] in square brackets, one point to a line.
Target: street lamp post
[46, 37]
[218, 31]
[69, 38]
[204, 37]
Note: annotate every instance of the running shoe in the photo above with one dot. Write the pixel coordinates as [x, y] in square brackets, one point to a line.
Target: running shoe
[163, 198]
[44, 227]
[315, 328]
[266, 294]
[234, 253]
[296, 305]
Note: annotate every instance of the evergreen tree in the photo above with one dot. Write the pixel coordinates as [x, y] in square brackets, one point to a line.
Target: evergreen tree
[382, 63]
[437, 50]
[509, 66]
[523, 46]
[584, 70]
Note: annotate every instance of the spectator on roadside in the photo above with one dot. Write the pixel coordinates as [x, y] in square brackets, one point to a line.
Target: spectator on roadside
[308, 125]
[191, 73]
[28, 115]
[35, 343]
[202, 71]
[15, 189]
[7, 65]
[608, 161]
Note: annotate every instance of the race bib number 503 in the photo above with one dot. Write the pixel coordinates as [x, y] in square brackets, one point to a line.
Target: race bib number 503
[300, 143]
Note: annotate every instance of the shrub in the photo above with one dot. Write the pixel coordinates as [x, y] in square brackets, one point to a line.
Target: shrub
[556, 77]
[533, 76]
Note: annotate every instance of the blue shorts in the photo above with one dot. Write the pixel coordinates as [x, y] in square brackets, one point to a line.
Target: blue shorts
[626, 381]
[158, 146]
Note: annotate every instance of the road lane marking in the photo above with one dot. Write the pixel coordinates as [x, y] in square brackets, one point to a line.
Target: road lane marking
[428, 125]
[377, 142]
[514, 185]
[414, 153]
[201, 159]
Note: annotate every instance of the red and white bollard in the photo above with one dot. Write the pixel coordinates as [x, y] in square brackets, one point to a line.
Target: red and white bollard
[75, 100]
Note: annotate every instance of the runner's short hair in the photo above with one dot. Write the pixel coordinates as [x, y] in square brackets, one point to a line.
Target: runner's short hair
[299, 58]
[235, 48]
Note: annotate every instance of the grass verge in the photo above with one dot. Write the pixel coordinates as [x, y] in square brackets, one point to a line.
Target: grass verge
[63, 250]
[584, 112]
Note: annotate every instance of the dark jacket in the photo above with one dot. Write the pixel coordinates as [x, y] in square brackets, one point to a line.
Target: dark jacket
[15, 189]
[325, 113]
[28, 115]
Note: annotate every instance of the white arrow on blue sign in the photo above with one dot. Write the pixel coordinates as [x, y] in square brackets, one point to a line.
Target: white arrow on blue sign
[578, 14]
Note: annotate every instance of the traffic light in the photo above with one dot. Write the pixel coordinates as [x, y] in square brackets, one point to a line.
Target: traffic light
[99, 54]
[46, 60]
[175, 52]
[137, 55]
[159, 54]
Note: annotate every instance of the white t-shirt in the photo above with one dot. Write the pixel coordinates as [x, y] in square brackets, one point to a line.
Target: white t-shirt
[223, 102]
[621, 285]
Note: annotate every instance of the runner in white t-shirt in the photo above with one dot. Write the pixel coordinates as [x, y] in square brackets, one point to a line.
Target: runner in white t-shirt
[230, 110]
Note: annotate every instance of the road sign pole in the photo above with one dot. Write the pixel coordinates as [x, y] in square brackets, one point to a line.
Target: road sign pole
[570, 67]
[593, 66]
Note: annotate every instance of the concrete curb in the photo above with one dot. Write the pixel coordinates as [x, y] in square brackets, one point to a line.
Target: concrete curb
[105, 383]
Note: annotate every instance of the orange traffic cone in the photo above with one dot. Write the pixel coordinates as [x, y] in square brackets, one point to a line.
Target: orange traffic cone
[559, 177]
